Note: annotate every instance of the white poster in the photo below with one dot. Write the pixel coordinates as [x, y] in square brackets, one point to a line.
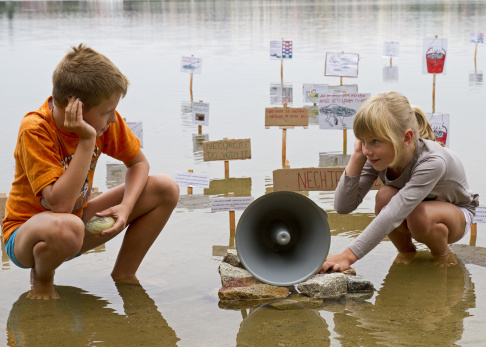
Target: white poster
[137, 129]
[200, 113]
[337, 111]
[390, 49]
[191, 65]
[344, 89]
[281, 50]
[230, 204]
[480, 215]
[434, 54]
[341, 64]
[476, 38]
[311, 92]
[190, 179]
[440, 125]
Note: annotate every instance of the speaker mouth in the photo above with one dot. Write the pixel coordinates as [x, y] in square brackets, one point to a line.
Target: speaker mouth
[279, 231]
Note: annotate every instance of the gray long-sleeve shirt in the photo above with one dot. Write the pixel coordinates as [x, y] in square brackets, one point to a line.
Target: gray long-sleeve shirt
[435, 173]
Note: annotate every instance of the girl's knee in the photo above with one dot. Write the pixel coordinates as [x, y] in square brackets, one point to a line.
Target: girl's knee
[383, 197]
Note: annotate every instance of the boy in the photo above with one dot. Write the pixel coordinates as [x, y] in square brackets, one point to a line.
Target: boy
[57, 149]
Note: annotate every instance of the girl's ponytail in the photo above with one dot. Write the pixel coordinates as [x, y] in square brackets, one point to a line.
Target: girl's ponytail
[424, 128]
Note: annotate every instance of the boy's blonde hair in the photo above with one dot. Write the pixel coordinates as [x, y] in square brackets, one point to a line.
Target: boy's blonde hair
[386, 116]
[88, 75]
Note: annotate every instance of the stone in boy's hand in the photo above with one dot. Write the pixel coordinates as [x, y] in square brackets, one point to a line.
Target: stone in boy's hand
[98, 224]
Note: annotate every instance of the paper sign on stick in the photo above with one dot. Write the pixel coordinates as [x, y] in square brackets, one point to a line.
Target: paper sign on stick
[281, 50]
[230, 204]
[337, 111]
[137, 129]
[189, 179]
[341, 64]
[344, 89]
[191, 65]
[434, 56]
[227, 149]
[310, 179]
[440, 125]
[200, 113]
[311, 92]
[480, 215]
[476, 38]
[390, 49]
[286, 116]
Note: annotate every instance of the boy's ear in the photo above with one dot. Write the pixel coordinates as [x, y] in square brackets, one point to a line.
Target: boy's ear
[408, 137]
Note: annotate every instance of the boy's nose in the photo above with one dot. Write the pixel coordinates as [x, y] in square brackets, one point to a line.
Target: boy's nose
[112, 118]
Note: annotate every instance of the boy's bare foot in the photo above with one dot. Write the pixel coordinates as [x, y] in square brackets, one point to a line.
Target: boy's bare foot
[445, 260]
[404, 257]
[42, 289]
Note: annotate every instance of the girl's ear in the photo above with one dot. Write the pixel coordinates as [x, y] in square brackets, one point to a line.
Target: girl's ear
[408, 137]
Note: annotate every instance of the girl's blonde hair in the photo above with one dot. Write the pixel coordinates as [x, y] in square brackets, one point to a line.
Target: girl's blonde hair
[88, 75]
[386, 116]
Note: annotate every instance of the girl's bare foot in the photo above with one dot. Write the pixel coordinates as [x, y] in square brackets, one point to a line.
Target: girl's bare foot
[448, 259]
[42, 288]
[404, 257]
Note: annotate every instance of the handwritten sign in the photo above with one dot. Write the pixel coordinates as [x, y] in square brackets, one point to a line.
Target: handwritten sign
[390, 49]
[341, 64]
[230, 204]
[190, 179]
[310, 179]
[227, 150]
[281, 50]
[191, 65]
[480, 215]
[200, 113]
[337, 111]
[137, 129]
[311, 92]
[440, 125]
[286, 116]
[476, 38]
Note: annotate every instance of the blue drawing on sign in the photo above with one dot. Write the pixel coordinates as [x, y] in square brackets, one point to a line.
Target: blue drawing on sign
[336, 111]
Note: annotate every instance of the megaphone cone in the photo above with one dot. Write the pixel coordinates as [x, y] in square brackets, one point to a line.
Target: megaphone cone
[282, 238]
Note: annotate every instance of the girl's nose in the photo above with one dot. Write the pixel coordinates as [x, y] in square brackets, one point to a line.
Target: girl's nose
[366, 149]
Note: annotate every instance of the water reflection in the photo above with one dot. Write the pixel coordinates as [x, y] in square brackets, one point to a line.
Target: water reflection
[5, 258]
[197, 145]
[82, 319]
[281, 93]
[418, 305]
[115, 175]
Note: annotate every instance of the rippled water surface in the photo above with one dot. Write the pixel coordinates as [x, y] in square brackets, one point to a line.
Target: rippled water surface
[177, 303]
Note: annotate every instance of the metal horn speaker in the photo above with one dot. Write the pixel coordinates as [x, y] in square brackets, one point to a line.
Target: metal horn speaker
[282, 238]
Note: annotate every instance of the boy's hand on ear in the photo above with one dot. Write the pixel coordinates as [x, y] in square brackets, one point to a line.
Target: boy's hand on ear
[74, 122]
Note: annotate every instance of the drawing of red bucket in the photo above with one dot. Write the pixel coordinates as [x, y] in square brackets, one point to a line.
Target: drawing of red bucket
[435, 61]
[441, 136]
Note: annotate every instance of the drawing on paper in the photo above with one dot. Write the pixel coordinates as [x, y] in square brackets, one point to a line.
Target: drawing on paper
[440, 125]
[434, 56]
[476, 38]
[341, 64]
[336, 112]
[191, 65]
[390, 49]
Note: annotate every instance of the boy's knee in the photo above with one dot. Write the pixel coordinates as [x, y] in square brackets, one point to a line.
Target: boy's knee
[383, 197]
[166, 188]
[68, 233]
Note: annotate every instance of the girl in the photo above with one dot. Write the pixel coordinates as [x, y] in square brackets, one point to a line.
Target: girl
[425, 194]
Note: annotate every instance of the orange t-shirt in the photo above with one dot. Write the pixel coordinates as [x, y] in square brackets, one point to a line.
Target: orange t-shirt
[43, 153]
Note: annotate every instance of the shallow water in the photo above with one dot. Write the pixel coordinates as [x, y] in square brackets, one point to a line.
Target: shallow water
[177, 303]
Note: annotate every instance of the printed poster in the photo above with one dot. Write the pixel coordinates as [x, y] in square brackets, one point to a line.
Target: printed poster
[476, 38]
[200, 113]
[434, 56]
[281, 50]
[311, 92]
[337, 111]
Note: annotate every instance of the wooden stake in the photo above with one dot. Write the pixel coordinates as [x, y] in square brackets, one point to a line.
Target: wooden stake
[433, 94]
[474, 231]
[189, 189]
[190, 87]
[232, 224]
[345, 141]
[475, 53]
[226, 164]
[391, 61]
[199, 127]
[281, 71]
[284, 146]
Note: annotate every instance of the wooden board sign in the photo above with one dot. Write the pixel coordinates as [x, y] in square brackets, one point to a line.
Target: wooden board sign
[230, 149]
[286, 116]
[310, 179]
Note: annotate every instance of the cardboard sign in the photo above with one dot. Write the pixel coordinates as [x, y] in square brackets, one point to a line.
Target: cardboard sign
[310, 179]
[227, 150]
[286, 116]
[480, 215]
[390, 49]
[230, 204]
[191, 65]
[137, 129]
[341, 64]
[239, 186]
[281, 50]
[190, 179]
[200, 113]
[337, 111]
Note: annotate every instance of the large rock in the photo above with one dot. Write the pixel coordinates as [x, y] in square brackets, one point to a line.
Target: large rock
[250, 289]
[228, 271]
[325, 286]
[359, 284]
